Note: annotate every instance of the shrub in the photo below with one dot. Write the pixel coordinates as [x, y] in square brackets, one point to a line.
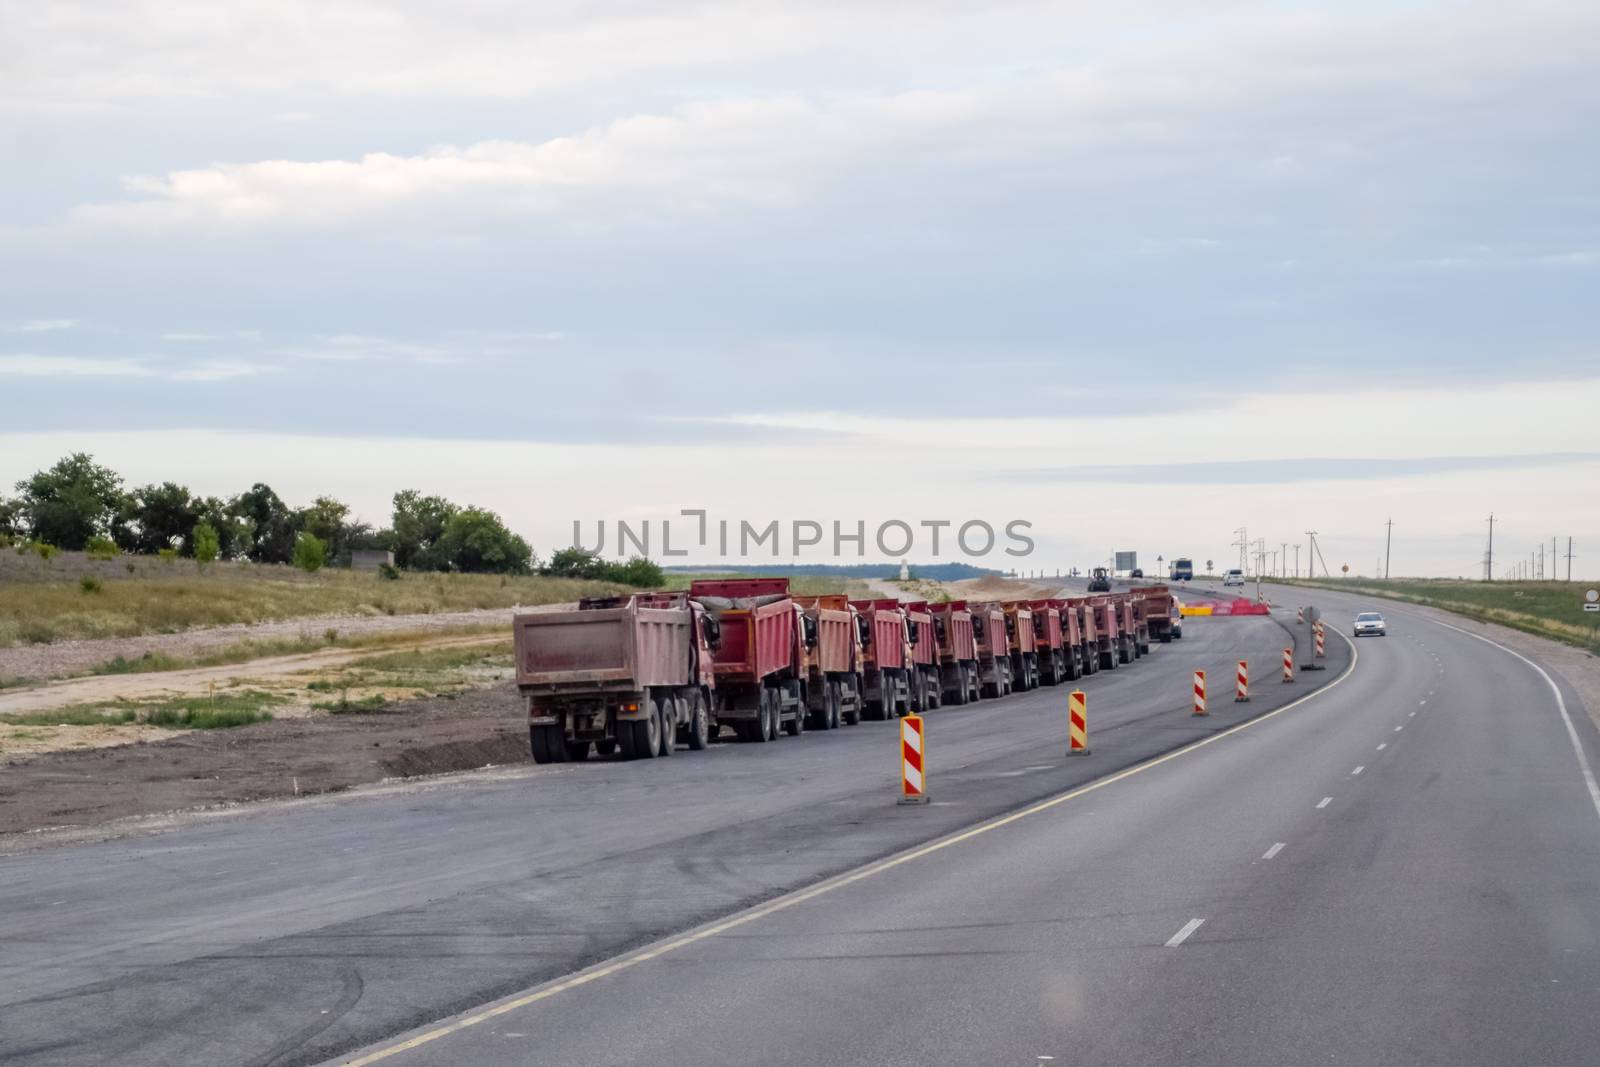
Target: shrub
[46, 551]
[331, 636]
[388, 572]
[89, 584]
[206, 544]
[168, 555]
[310, 553]
[100, 548]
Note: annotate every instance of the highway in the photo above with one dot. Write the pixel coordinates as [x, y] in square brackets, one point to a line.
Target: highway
[1226, 903]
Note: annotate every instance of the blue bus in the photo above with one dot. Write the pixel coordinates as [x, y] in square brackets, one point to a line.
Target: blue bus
[1182, 570]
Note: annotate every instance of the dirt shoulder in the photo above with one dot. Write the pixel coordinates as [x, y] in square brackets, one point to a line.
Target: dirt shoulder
[64, 658]
[55, 794]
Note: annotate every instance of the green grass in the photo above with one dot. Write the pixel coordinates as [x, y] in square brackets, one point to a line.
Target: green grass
[14, 683]
[799, 584]
[1547, 609]
[345, 706]
[36, 612]
[440, 659]
[216, 712]
[150, 661]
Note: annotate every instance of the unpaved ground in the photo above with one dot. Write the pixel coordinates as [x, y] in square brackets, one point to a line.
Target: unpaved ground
[196, 681]
[63, 658]
[202, 769]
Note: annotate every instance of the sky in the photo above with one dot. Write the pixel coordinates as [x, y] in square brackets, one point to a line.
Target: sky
[1137, 276]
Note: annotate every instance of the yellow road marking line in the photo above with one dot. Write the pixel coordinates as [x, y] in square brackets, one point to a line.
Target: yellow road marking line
[838, 882]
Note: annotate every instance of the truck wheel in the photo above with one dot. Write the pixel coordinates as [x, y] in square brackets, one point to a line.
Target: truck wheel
[667, 712]
[834, 696]
[576, 751]
[853, 716]
[546, 743]
[699, 729]
[762, 730]
[647, 734]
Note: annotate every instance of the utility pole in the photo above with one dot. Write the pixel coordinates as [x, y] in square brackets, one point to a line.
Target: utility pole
[1243, 545]
[1569, 559]
[1553, 559]
[1388, 537]
[1297, 559]
[1541, 561]
[1488, 560]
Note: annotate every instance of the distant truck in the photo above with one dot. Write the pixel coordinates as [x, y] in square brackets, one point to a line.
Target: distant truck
[1182, 570]
[834, 689]
[1056, 622]
[958, 651]
[1100, 580]
[1107, 632]
[884, 646]
[759, 658]
[1024, 646]
[994, 650]
[1128, 648]
[1088, 634]
[922, 671]
[1156, 610]
[620, 674]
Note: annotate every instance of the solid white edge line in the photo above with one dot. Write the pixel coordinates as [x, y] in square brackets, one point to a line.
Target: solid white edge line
[1561, 706]
[672, 942]
[1183, 935]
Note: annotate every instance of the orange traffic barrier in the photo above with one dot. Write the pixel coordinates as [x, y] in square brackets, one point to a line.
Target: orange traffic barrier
[1077, 724]
[913, 777]
[1200, 693]
[1241, 683]
[1288, 664]
[1320, 651]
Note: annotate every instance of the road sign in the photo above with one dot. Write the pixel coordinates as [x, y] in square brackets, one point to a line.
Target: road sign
[1127, 561]
[1346, 568]
[1592, 596]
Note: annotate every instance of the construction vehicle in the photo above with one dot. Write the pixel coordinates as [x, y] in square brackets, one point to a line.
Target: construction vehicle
[1127, 629]
[758, 661]
[1182, 570]
[1100, 580]
[1155, 613]
[958, 651]
[994, 650]
[831, 666]
[1055, 624]
[1108, 641]
[884, 645]
[1023, 646]
[631, 674]
[1088, 633]
[923, 666]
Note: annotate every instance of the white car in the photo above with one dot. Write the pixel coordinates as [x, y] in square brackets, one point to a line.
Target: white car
[1370, 622]
[1233, 577]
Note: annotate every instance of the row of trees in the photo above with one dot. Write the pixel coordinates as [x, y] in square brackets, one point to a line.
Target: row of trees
[79, 504]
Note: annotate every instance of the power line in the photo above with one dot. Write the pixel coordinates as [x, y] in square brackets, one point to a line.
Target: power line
[1388, 536]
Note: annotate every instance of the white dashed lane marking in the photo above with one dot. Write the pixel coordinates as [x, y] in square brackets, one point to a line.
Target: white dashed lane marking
[1183, 935]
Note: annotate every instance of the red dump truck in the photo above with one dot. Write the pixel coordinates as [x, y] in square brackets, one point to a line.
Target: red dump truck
[1024, 645]
[1108, 640]
[759, 657]
[994, 650]
[884, 644]
[835, 691]
[1155, 613]
[630, 674]
[1055, 625]
[958, 652]
[1128, 628]
[1088, 635]
[923, 671]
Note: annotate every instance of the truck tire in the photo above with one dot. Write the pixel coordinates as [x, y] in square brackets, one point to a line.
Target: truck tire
[1108, 659]
[699, 728]
[546, 743]
[852, 717]
[761, 730]
[1124, 651]
[958, 694]
[667, 712]
[576, 751]
[797, 725]
[647, 734]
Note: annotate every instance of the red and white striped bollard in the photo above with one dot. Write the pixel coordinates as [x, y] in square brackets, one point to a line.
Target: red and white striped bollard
[1200, 693]
[1077, 724]
[1241, 683]
[1288, 665]
[913, 778]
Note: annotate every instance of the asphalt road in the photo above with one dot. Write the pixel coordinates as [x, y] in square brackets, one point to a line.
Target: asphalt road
[302, 931]
[1404, 869]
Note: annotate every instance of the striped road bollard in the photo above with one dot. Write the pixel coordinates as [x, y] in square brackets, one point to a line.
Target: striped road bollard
[1320, 650]
[1241, 683]
[1077, 724]
[1300, 616]
[1288, 665]
[1200, 693]
[913, 778]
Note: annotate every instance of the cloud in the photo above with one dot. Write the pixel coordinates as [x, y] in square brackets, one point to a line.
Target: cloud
[1299, 470]
[1241, 102]
[352, 348]
[28, 365]
[44, 325]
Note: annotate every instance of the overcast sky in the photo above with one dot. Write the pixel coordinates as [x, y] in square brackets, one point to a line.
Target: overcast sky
[1137, 278]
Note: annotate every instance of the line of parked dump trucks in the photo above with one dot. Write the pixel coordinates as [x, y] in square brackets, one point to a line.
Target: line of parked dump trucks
[643, 674]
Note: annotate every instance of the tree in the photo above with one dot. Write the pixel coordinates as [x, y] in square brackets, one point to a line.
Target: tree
[638, 571]
[71, 502]
[574, 563]
[205, 543]
[154, 517]
[419, 523]
[273, 524]
[582, 563]
[328, 520]
[475, 540]
[235, 532]
[309, 553]
[10, 518]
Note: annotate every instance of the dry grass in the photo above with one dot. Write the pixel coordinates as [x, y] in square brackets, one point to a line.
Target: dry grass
[36, 612]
